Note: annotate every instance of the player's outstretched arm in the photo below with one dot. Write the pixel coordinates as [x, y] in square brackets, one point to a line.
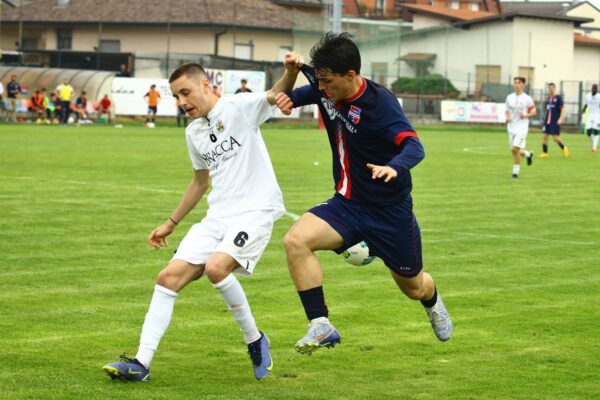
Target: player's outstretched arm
[292, 62]
[193, 194]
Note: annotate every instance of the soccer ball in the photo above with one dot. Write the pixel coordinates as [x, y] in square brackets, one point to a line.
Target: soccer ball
[358, 254]
[150, 124]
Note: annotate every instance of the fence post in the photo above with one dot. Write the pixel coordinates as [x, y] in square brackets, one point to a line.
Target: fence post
[579, 105]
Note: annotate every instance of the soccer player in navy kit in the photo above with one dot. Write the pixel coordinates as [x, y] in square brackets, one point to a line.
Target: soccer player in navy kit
[374, 147]
[555, 109]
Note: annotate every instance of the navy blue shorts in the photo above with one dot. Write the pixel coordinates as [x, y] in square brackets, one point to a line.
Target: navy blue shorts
[152, 109]
[391, 232]
[551, 129]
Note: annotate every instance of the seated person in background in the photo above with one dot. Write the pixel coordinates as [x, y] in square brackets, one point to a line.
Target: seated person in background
[37, 105]
[104, 107]
[53, 109]
[81, 107]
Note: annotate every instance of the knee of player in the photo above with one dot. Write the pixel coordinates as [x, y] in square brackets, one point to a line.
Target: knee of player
[216, 271]
[166, 278]
[293, 241]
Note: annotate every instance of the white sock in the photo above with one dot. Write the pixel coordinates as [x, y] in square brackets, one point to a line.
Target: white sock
[237, 303]
[156, 323]
[595, 139]
[526, 153]
[321, 320]
[516, 169]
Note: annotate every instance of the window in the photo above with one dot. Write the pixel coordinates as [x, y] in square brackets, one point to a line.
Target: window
[29, 44]
[243, 51]
[282, 51]
[486, 74]
[380, 6]
[474, 6]
[110, 46]
[528, 74]
[455, 5]
[64, 37]
[379, 74]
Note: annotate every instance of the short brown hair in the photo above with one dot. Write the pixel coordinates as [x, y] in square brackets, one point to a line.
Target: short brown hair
[189, 70]
[520, 78]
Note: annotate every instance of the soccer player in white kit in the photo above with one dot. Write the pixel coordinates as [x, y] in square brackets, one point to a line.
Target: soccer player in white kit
[592, 102]
[519, 108]
[225, 146]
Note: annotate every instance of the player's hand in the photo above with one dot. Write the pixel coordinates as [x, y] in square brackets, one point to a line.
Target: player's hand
[284, 103]
[158, 237]
[559, 122]
[382, 171]
[524, 115]
[293, 61]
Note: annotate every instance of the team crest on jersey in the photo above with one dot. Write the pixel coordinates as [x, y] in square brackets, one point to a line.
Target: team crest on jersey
[220, 126]
[354, 114]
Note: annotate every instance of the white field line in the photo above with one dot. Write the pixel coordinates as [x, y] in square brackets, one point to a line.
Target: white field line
[509, 237]
[295, 217]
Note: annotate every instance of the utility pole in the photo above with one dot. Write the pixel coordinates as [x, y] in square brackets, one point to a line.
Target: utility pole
[337, 16]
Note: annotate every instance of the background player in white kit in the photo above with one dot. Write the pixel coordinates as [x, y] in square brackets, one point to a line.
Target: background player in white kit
[225, 144]
[519, 108]
[592, 102]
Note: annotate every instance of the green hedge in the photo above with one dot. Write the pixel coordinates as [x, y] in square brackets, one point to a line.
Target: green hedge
[429, 84]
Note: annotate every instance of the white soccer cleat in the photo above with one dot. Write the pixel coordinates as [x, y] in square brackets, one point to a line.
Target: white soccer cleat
[440, 320]
[320, 334]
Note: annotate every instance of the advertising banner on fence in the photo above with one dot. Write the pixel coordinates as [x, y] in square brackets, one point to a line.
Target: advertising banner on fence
[467, 111]
[128, 93]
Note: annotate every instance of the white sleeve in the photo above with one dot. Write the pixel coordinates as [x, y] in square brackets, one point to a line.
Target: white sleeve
[255, 107]
[530, 103]
[506, 102]
[197, 160]
[1, 89]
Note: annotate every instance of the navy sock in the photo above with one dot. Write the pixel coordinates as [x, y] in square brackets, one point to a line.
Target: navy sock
[313, 301]
[431, 302]
[561, 145]
[545, 147]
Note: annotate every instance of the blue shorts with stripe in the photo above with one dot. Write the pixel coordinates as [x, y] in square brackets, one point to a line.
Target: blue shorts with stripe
[551, 129]
[391, 232]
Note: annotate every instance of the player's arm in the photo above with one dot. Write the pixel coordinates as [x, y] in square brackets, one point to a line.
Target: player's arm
[411, 153]
[292, 62]
[191, 197]
[561, 117]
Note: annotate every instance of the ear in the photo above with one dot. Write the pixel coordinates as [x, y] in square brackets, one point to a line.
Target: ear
[351, 75]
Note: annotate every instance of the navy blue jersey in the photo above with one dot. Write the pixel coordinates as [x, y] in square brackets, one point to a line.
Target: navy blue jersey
[13, 89]
[554, 106]
[371, 128]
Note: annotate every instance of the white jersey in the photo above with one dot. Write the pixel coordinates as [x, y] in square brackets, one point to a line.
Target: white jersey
[593, 105]
[229, 144]
[515, 105]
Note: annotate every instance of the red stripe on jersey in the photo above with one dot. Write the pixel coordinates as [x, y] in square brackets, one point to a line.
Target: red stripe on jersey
[361, 90]
[530, 108]
[344, 186]
[403, 135]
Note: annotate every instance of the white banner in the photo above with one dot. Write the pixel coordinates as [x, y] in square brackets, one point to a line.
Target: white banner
[128, 96]
[128, 93]
[466, 111]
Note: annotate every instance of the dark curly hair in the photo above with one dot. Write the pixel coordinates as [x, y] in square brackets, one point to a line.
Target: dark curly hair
[336, 52]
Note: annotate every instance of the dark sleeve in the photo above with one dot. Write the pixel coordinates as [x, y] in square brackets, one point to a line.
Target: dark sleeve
[560, 102]
[411, 153]
[303, 95]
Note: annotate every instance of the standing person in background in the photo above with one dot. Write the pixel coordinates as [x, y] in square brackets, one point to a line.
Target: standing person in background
[243, 88]
[2, 107]
[181, 114]
[592, 103]
[123, 72]
[65, 93]
[152, 98]
[519, 108]
[13, 89]
[555, 114]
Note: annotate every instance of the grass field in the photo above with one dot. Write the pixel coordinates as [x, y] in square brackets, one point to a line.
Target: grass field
[517, 262]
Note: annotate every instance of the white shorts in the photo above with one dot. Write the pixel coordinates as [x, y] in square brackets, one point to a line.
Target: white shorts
[593, 122]
[244, 237]
[518, 137]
